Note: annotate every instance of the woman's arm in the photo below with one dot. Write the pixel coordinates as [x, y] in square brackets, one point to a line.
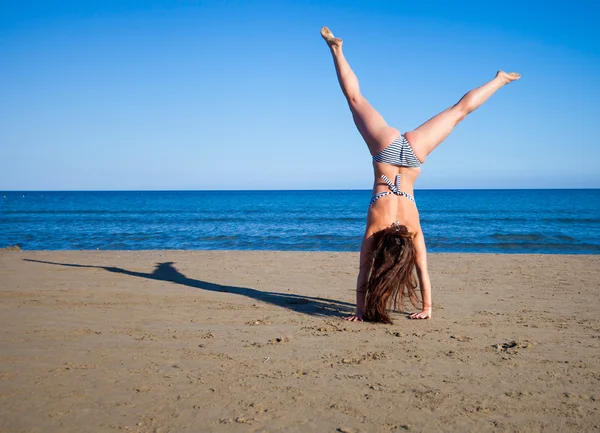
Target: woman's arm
[363, 278]
[423, 274]
[361, 290]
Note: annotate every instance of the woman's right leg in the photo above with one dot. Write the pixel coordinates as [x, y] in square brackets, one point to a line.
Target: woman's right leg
[376, 133]
[371, 125]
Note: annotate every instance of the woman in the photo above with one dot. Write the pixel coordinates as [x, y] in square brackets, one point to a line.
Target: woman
[393, 245]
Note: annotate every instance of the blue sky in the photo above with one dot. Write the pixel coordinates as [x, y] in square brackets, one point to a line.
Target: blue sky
[118, 95]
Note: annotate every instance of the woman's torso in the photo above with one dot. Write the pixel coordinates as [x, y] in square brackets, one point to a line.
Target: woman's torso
[384, 211]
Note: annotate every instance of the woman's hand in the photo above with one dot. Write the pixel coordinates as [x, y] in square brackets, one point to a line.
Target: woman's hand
[423, 275]
[424, 314]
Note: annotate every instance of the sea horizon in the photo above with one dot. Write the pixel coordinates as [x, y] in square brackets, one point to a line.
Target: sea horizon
[291, 190]
[476, 220]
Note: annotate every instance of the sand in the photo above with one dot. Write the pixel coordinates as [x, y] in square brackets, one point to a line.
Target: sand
[193, 341]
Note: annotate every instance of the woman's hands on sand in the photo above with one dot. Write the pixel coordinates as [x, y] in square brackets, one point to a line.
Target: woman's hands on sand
[424, 314]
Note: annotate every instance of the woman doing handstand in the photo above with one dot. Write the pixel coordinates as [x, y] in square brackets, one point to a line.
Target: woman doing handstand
[393, 246]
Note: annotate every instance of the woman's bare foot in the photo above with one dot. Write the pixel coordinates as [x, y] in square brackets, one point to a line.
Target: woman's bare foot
[331, 40]
[508, 77]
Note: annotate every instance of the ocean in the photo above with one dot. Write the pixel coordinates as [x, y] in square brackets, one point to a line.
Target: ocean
[474, 221]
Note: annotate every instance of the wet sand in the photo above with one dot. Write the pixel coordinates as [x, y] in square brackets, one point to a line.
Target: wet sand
[199, 341]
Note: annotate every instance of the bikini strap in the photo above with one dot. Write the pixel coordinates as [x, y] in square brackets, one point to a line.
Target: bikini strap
[396, 189]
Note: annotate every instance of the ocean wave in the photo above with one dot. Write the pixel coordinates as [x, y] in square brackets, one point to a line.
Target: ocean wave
[517, 237]
[509, 219]
[574, 220]
[513, 247]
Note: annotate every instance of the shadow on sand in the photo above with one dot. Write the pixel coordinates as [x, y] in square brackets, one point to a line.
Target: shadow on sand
[298, 303]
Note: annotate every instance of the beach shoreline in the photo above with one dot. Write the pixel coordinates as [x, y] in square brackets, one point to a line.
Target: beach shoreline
[174, 340]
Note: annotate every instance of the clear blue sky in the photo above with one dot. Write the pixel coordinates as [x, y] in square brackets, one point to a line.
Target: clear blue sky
[154, 94]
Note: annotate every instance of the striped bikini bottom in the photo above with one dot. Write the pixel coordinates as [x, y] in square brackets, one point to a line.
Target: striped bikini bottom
[399, 153]
[394, 189]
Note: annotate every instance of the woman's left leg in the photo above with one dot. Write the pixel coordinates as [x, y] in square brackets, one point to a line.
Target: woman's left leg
[430, 134]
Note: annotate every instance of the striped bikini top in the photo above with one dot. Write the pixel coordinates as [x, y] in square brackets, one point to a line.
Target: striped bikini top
[399, 153]
[394, 189]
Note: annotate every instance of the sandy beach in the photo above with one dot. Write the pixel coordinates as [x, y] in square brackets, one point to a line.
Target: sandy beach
[215, 341]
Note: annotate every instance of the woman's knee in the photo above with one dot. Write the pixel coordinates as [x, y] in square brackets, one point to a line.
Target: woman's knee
[459, 112]
[355, 101]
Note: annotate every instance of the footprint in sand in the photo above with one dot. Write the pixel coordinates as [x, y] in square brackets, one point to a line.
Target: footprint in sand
[512, 346]
[461, 338]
